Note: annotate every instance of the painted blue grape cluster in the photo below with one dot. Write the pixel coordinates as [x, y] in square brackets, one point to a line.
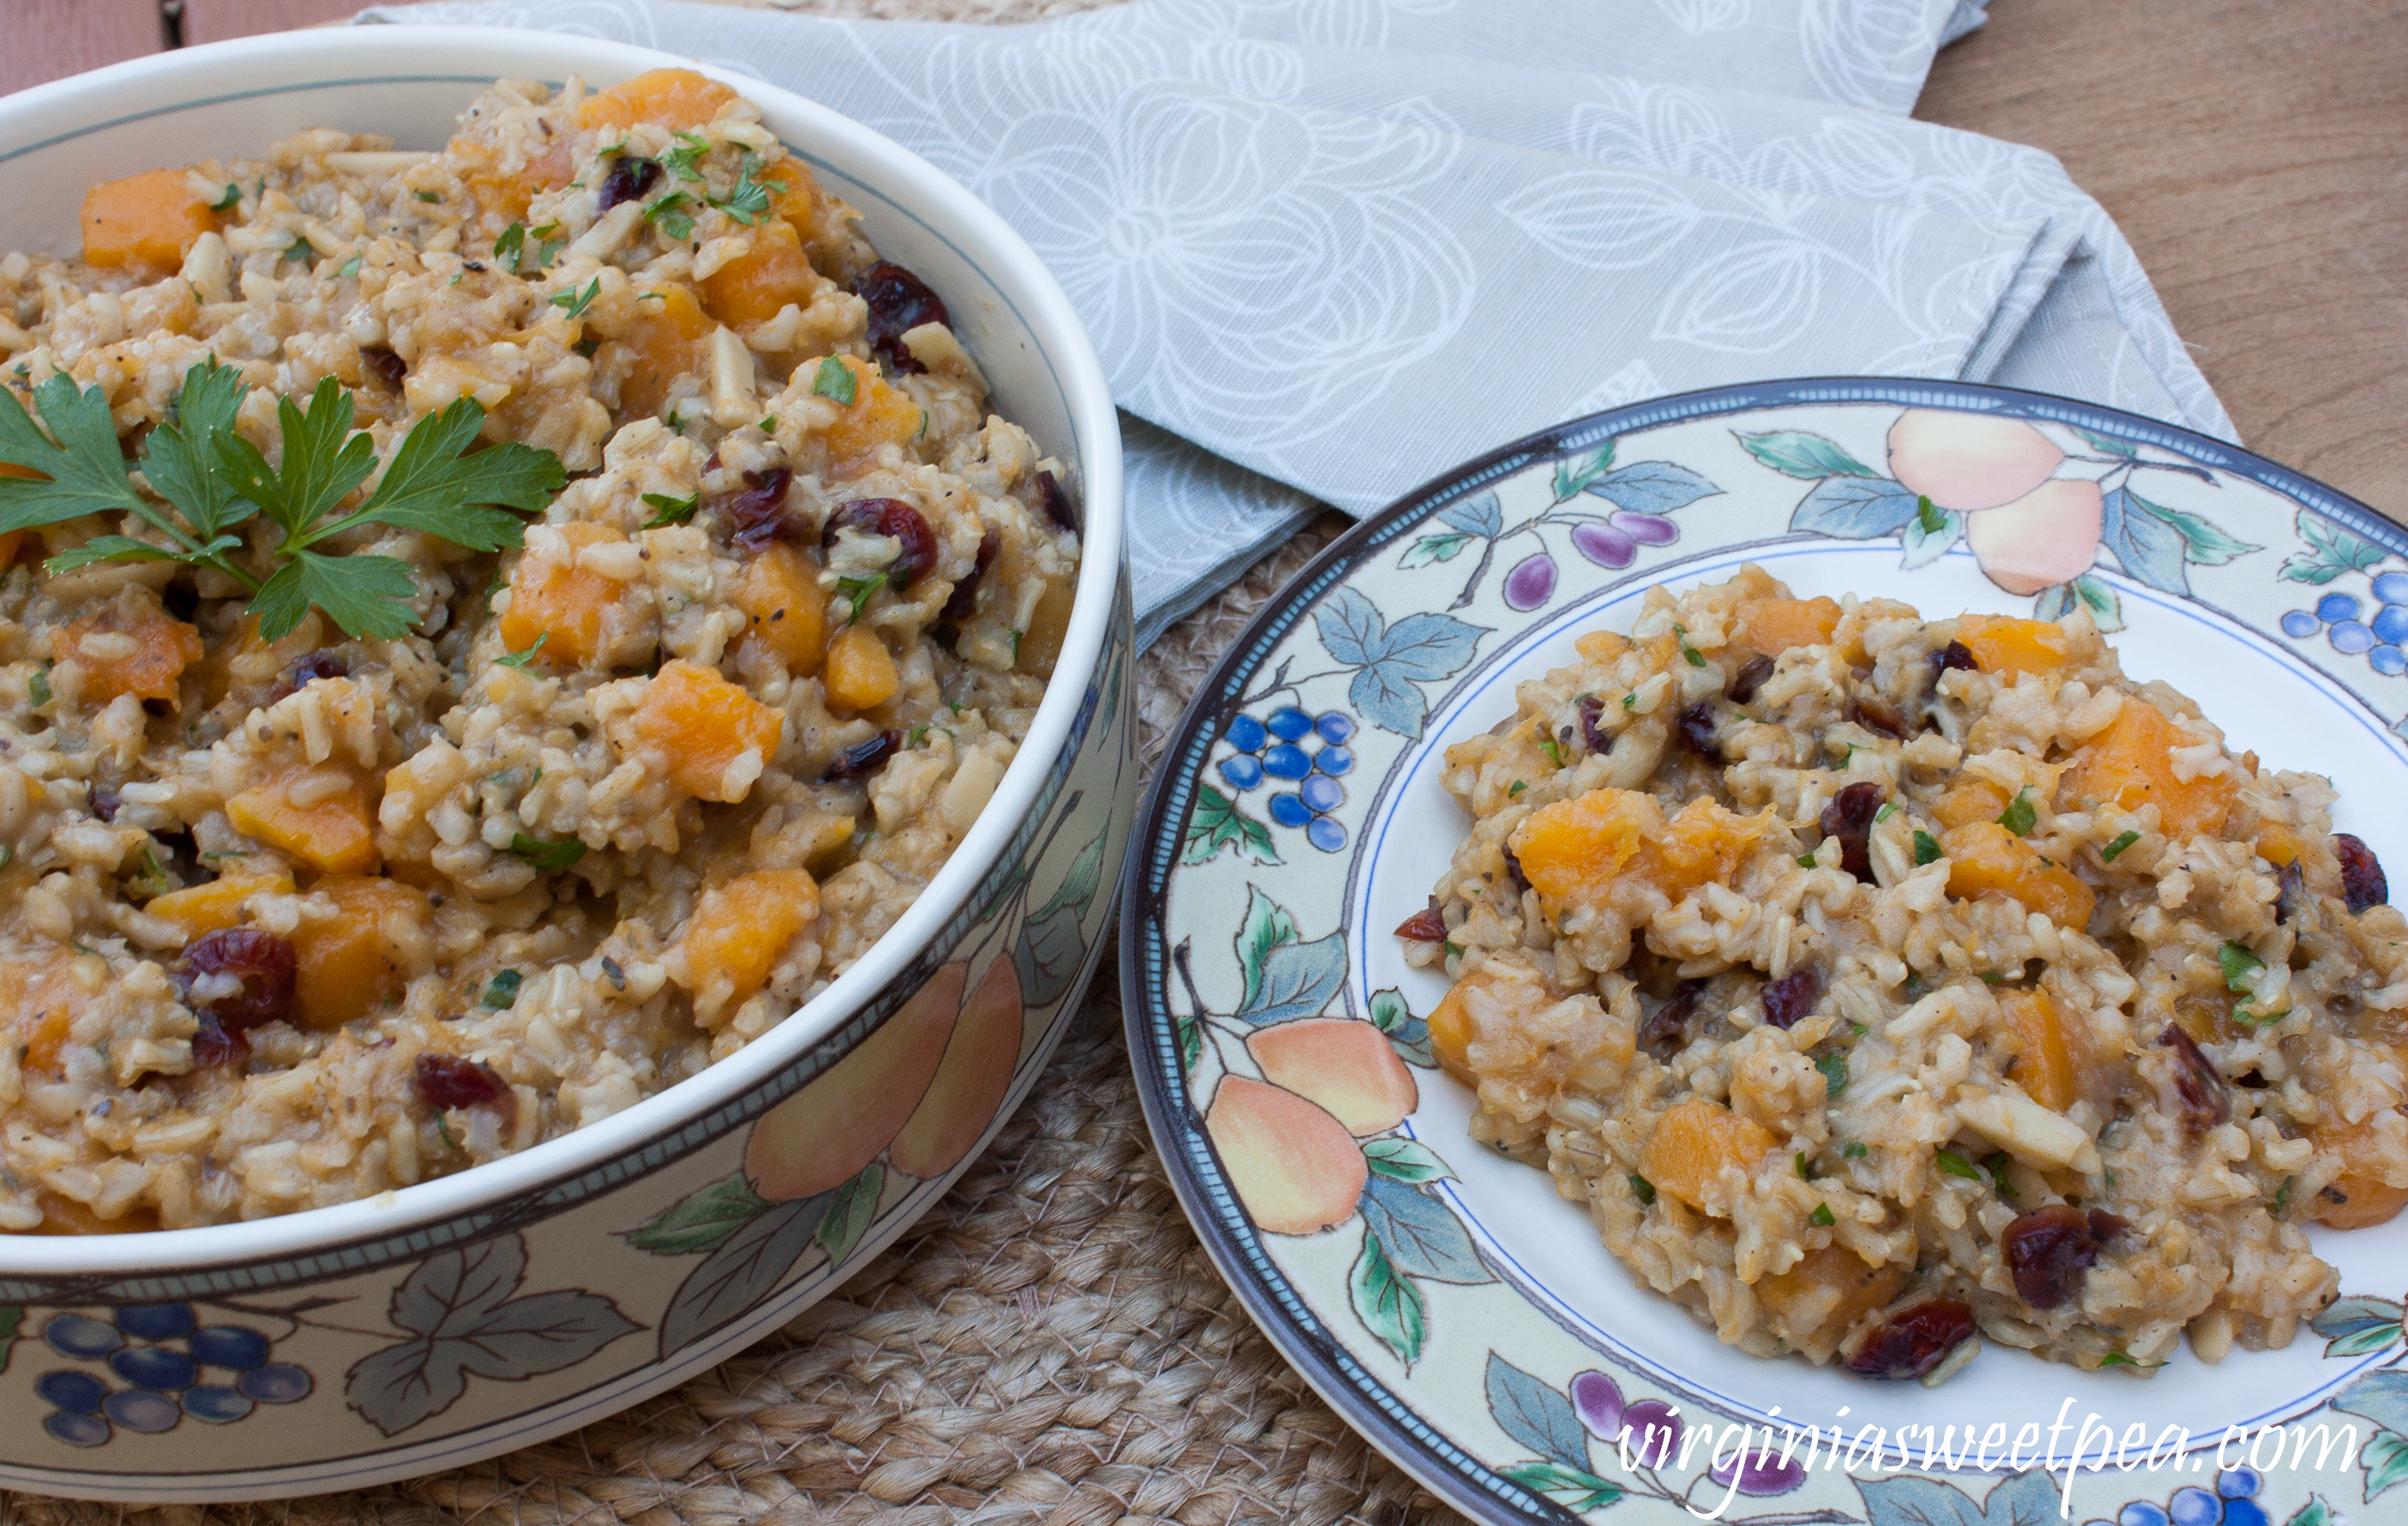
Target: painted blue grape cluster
[2233, 1503]
[2381, 638]
[160, 1365]
[1273, 748]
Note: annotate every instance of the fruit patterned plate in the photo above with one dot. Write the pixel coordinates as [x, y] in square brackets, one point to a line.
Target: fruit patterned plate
[1442, 1297]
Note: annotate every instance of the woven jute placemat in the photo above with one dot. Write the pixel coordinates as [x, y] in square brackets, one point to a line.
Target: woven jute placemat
[1048, 1345]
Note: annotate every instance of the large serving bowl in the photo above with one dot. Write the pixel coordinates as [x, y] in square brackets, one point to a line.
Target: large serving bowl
[484, 1311]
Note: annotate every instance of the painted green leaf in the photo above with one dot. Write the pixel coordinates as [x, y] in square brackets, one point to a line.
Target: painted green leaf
[2332, 551]
[2203, 541]
[1405, 1161]
[2314, 1513]
[850, 1215]
[1388, 1302]
[1432, 549]
[702, 1221]
[1574, 1489]
[2386, 1463]
[1191, 1043]
[11, 1318]
[1407, 1033]
[1793, 453]
[1218, 823]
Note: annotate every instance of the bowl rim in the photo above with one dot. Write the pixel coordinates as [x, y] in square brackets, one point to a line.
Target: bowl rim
[233, 67]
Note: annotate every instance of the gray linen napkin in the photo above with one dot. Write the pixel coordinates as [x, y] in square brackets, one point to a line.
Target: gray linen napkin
[1328, 248]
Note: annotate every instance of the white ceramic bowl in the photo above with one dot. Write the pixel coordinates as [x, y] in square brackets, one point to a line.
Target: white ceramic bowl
[488, 1310]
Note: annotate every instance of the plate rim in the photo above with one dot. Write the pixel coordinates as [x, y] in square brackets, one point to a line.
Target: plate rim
[1463, 1482]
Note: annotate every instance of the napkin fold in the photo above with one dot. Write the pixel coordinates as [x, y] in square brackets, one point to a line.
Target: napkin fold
[1328, 248]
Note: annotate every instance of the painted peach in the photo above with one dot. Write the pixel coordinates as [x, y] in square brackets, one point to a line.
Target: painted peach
[1295, 1168]
[1347, 1067]
[971, 1082]
[822, 1136]
[1968, 461]
[2048, 536]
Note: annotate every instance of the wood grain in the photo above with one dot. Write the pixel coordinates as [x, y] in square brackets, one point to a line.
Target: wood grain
[2255, 153]
[214, 20]
[48, 38]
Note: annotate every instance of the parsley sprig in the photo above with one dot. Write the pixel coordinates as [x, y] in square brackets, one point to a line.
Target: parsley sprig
[748, 200]
[213, 481]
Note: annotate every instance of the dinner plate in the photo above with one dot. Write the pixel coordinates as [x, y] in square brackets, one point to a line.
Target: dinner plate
[1462, 1316]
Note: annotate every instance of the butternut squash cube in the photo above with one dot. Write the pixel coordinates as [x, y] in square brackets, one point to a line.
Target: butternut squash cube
[2369, 1199]
[38, 1000]
[331, 832]
[666, 97]
[1973, 800]
[2003, 646]
[1828, 1290]
[143, 654]
[1600, 645]
[347, 966]
[1773, 626]
[756, 286]
[1040, 644]
[150, 218]
[216, 906]
[1694, 1145]
[2131, 763]
[740, 930]
[2044, 1064]
[1451, 1032]
[788, 613]
[713, 737]
[1985, 856]
[879, 415]
[861, 674]
[560, 604]
[663, 343]
[822, 222]
[1576, 851]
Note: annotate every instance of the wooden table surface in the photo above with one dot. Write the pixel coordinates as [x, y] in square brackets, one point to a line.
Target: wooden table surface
[2256, 152]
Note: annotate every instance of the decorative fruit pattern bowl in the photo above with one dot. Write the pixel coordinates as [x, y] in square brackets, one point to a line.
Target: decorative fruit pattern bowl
[1444, 1297]
[488, 1310]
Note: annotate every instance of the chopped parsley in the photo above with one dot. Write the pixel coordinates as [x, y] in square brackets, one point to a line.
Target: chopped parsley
[429, 196]
[2021, 815]
[574, 302]
[1856, 1150]
[768, 425]
[857, 591]
[1957, 1165]
[443, 1126]
[547, 857]
[1835, 1073]
[1997, 1166]
[512, 246]
[37, 688]
[351, 267]
[2282, 1195]
[1927, 847]
[1630, 700]
[1555, 750]
[681, 160]
[301, 251]
[2240, 968]
[502, 990]
[519, 659]
[2113, 851]
[1680, 634]
[1806, 861]
[1821, 1217]
[214, 480]
[748, 202]
[1804, 1174]
[231, 199]
[1516, 789]
[672, 215]
[836, 382]
[2117, 1358]
[1889, 809]
[1641, 1189]
[672, 511]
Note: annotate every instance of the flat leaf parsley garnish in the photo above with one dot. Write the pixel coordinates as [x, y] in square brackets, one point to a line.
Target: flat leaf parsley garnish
[214, 481]
[748, 201]
[574, 300]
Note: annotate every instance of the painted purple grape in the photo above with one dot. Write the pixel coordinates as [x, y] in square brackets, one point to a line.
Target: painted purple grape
[1334, 725]
[1654, 1431]
[1290, 724]
[2142, 1513]
[1597, 1400]
[155, 1367]
[78, 1393]
[1647, 529]
[2350, 636]
[156, 1321]
[278, 1383]
[1606, 545]
[1334, 761]
[140, 1409]
[2194, 1506]
[2390, 623]
[1290, 811]
[1247, 734]
[1286, 762]
[2392, 588]
[1531, 583]
[2299, 623]
[1241, 773]
[1326, 834]
[75, 1335]
[219, 1406]
[229, 1345]
[77, 1430]
[2334, 607]
[1322, 793]
[2388, 660]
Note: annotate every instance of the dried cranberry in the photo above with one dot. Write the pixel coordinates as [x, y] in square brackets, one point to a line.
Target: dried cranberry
[2048, 1251]
[1424, 927]
[899, 302]
[1956, 655]
[2291, 892]
[1593, 737]
[1750, 677]
[2361, 875]
[106, 799]
[628, 178]
[261, 960]
[384, 365]
[2105, 1225]
[307, 669]
[1056, 502]
[893, 518]
[964, 602]
[1875, 713]
[1791, 996]
[218, 1044]
[757, 513]
[448, 1080]
[1849, 817]
[2198, 1082]
[1696, 729]
[1666, 1028]
[1912, 1342]
[1521, 881]
[861, 757]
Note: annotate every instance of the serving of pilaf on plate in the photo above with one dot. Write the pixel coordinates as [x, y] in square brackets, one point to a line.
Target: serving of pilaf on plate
[1880, 983]
[486, 633]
